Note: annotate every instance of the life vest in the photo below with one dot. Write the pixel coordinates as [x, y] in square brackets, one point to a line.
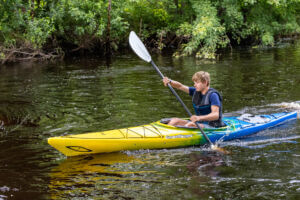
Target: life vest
[202, 106]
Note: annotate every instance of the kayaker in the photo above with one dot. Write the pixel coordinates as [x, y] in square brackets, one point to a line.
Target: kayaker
[207, 102]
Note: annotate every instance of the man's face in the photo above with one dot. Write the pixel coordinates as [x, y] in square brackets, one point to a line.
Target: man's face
[200, 86]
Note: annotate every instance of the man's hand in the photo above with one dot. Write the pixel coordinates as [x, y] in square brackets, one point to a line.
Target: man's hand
[192, 124]
[195, 118]
[166, 80]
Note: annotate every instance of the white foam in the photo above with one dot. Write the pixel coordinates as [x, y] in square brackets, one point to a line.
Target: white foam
[295, 181]
[265, 141]
[291, 105]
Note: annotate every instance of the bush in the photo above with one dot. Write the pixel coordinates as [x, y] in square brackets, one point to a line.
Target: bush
[206, 32]
[194, 27]
[38, 31]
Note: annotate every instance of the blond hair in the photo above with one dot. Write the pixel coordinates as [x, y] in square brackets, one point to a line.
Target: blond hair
[201, 76]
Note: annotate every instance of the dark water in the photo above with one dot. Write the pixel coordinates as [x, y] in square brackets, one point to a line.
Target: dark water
[38, 101]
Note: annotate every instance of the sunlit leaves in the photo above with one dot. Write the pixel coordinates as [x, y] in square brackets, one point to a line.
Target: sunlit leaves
[207, 33]
[38, 31]
[200, 27]
[78, 20]
[260, 21]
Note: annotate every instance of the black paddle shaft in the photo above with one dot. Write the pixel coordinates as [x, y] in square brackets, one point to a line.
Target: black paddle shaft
[181, 102]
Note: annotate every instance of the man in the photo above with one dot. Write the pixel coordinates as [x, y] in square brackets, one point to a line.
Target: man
[207, 102]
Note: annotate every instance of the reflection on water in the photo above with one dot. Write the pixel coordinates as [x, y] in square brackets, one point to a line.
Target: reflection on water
[205, 163]
[108, 175]
[81, 176]
[38, 101]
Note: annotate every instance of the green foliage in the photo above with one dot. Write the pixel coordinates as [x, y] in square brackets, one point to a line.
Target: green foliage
[119, 23]
[233, 19]
[146, 17]
[270, 18]
[38, 31]
[206, 32]
[201, 26]
[240, 20]
[267, 39]
[12, 21]
[78, 22]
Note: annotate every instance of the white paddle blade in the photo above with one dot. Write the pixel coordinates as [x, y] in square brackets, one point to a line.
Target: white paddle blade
[138, 47]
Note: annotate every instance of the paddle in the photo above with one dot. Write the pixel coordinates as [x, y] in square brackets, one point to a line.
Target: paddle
[139, 48]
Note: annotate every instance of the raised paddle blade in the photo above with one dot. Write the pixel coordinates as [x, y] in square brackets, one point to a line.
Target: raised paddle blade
[138, 47]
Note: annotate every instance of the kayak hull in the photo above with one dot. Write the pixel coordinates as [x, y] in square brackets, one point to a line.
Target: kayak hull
[161, 136]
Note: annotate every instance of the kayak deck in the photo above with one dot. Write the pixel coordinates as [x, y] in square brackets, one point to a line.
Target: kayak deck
[158, 135]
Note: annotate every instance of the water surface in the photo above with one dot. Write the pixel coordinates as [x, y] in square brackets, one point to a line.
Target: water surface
[38, 101]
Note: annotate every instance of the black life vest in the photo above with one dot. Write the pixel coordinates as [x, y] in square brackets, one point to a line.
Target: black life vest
[202, 106]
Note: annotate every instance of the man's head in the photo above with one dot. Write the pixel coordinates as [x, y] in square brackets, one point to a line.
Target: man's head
[202, 77]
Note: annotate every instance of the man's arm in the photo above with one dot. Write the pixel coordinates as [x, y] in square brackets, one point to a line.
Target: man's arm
[176, 84]
[214, 115]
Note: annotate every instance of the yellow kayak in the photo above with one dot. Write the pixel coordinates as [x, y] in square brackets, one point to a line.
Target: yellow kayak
[158, 135]
[152, 136]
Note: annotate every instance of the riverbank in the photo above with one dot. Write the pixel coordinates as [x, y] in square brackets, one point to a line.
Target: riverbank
[54, 55]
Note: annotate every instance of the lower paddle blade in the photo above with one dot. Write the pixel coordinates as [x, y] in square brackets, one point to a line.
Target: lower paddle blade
[138, 47]
[219, 149]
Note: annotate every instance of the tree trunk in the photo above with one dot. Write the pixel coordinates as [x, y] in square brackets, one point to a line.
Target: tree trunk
[108, 47]
[141, 27]
[176, 4]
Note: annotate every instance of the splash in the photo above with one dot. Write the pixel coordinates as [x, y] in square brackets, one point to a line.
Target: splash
[263, 143]
[295, 106]
[292, 105]
[289, 105]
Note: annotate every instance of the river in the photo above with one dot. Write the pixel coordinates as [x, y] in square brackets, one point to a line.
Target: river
[41, 100]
